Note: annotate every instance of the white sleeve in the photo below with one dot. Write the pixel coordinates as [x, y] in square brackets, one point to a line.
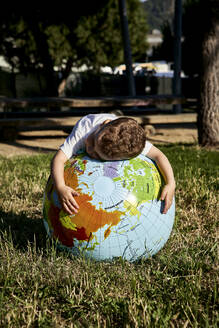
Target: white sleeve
[75, 141]
[147, 147]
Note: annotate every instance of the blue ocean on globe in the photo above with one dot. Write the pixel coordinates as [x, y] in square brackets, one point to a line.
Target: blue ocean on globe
[120, 209]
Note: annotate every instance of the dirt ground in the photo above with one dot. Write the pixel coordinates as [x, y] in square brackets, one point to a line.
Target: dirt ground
[35, 142]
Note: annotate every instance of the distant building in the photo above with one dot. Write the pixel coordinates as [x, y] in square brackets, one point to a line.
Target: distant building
[154, 39]
[4, 65]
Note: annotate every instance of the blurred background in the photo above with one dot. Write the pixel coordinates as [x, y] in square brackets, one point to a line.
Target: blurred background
[78, 51]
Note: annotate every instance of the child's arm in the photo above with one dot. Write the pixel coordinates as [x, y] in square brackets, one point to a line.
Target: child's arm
[66, 194]
[167, 172]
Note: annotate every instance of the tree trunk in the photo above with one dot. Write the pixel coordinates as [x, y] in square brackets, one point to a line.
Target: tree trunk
[44, 57]
[65, 74]
[208, 120]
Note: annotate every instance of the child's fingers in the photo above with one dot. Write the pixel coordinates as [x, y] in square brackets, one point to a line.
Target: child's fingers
[70, 207]
[75, 193]
[70, 190]
[70, 204]
[168, 203]
[73, 201]
[66, 208]
[163, 194]
[166, 207]
[164, 211]
[74, 204]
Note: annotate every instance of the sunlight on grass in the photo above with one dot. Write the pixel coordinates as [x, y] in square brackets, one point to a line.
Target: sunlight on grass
[43, 287]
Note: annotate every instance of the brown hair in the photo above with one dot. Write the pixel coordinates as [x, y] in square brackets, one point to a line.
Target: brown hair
[123, 138]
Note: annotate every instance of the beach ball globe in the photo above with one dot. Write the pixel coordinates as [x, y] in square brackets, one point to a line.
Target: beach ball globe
[120, 211]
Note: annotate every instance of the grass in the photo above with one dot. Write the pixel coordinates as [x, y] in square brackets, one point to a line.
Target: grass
[42, 287]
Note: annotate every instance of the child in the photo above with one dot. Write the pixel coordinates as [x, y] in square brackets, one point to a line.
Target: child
[108, 137]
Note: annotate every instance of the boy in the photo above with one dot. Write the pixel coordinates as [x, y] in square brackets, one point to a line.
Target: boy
[108, 137]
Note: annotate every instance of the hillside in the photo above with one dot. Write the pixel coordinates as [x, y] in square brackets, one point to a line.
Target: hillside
[158, 11]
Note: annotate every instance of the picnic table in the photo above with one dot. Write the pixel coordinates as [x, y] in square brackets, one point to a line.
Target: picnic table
[16, 114]
[78, 102]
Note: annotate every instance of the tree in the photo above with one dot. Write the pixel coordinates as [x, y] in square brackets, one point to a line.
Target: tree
[165, 51]
[200, 58]
[33, 39]
[99, 36]
[37, 38]
[158, 12]
[192, 37]
[208, 121]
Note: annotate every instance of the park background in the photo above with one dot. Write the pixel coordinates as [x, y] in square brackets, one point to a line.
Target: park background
[75, 53]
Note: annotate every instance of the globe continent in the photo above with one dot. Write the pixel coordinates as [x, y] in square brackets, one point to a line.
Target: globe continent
[120, 211]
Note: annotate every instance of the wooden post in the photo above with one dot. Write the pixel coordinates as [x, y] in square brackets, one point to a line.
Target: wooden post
[127, 48]
[177, 53]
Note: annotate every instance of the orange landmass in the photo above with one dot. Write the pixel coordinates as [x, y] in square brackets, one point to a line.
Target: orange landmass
[87, 221]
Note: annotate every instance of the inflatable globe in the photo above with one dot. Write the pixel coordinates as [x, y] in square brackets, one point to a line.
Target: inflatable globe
[120, 212]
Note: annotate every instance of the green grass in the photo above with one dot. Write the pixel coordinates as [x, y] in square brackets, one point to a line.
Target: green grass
[43, 287]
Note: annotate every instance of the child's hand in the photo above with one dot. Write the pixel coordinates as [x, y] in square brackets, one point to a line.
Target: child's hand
[68, 202]
[167, 195]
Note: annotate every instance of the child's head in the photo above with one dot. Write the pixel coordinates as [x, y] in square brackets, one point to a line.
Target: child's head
[119, 139]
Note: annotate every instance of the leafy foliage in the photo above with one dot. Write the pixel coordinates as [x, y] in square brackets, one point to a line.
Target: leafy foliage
[158, 12]
[160, 15]
[89, 33]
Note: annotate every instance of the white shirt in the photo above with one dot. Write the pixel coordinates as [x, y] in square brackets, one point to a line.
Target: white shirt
[85, 126]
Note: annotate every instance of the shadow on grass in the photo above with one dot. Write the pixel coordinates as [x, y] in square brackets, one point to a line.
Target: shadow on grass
[27, 147]
[22, 230]
[167, 144]
[174, 126]
[39, 136]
